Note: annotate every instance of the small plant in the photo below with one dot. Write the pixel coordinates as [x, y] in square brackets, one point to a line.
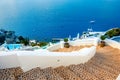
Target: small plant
[33, 44]
[103, 37]
[102, 43]
[66, 44]
[26, 41]
[41, 44]
[66, 40]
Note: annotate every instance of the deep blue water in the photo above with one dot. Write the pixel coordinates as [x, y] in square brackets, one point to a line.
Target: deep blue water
[45, 19]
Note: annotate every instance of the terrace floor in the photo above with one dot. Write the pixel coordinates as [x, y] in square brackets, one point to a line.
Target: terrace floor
[71, 48]
[105, 65]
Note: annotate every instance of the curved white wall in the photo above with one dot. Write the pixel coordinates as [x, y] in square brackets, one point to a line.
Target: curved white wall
[89, 41]
[54, 47]
[8, 60]
[112, 43]
[31, 59]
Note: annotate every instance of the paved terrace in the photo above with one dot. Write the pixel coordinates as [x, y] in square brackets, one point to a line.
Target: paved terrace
[71, 48]
[105, 65]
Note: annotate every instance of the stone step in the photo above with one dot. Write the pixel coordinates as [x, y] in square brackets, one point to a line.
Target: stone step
[33, 74]
[81, 71]
[99, 73]
[110, 68]
[106, 63]
[112, 71]
[51, 74]
[66, 73]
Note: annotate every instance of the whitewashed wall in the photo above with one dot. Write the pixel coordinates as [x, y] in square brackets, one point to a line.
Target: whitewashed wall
[31, 59]
[112, 43]
[89, 41]
[54, 47]
[8, 60]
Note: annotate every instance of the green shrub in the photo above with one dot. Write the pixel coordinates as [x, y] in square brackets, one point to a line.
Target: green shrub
[23, 40]
[113, 32]
[103, 37]
[66, 40]
[20, 38]
[2, 39]
[26, 41]
[42, 44]
[33, 44]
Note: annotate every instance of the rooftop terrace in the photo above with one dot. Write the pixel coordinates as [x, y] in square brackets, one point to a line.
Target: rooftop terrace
[72, 48]
[105, 65]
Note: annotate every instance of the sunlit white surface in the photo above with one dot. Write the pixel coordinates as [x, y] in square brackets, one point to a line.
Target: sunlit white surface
[31, 59]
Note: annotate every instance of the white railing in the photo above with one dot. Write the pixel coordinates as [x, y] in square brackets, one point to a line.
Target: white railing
[112, 43]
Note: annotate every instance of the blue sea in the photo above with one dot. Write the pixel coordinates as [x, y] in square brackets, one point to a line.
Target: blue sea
[46, 19]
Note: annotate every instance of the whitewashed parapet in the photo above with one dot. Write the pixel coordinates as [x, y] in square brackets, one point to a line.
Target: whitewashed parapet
[112, 43]
[54, 47]
[89, 41]
[31, 59]
[8, 60]
[55, 59]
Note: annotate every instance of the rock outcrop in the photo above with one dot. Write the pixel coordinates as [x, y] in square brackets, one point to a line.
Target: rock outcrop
[7, 36]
